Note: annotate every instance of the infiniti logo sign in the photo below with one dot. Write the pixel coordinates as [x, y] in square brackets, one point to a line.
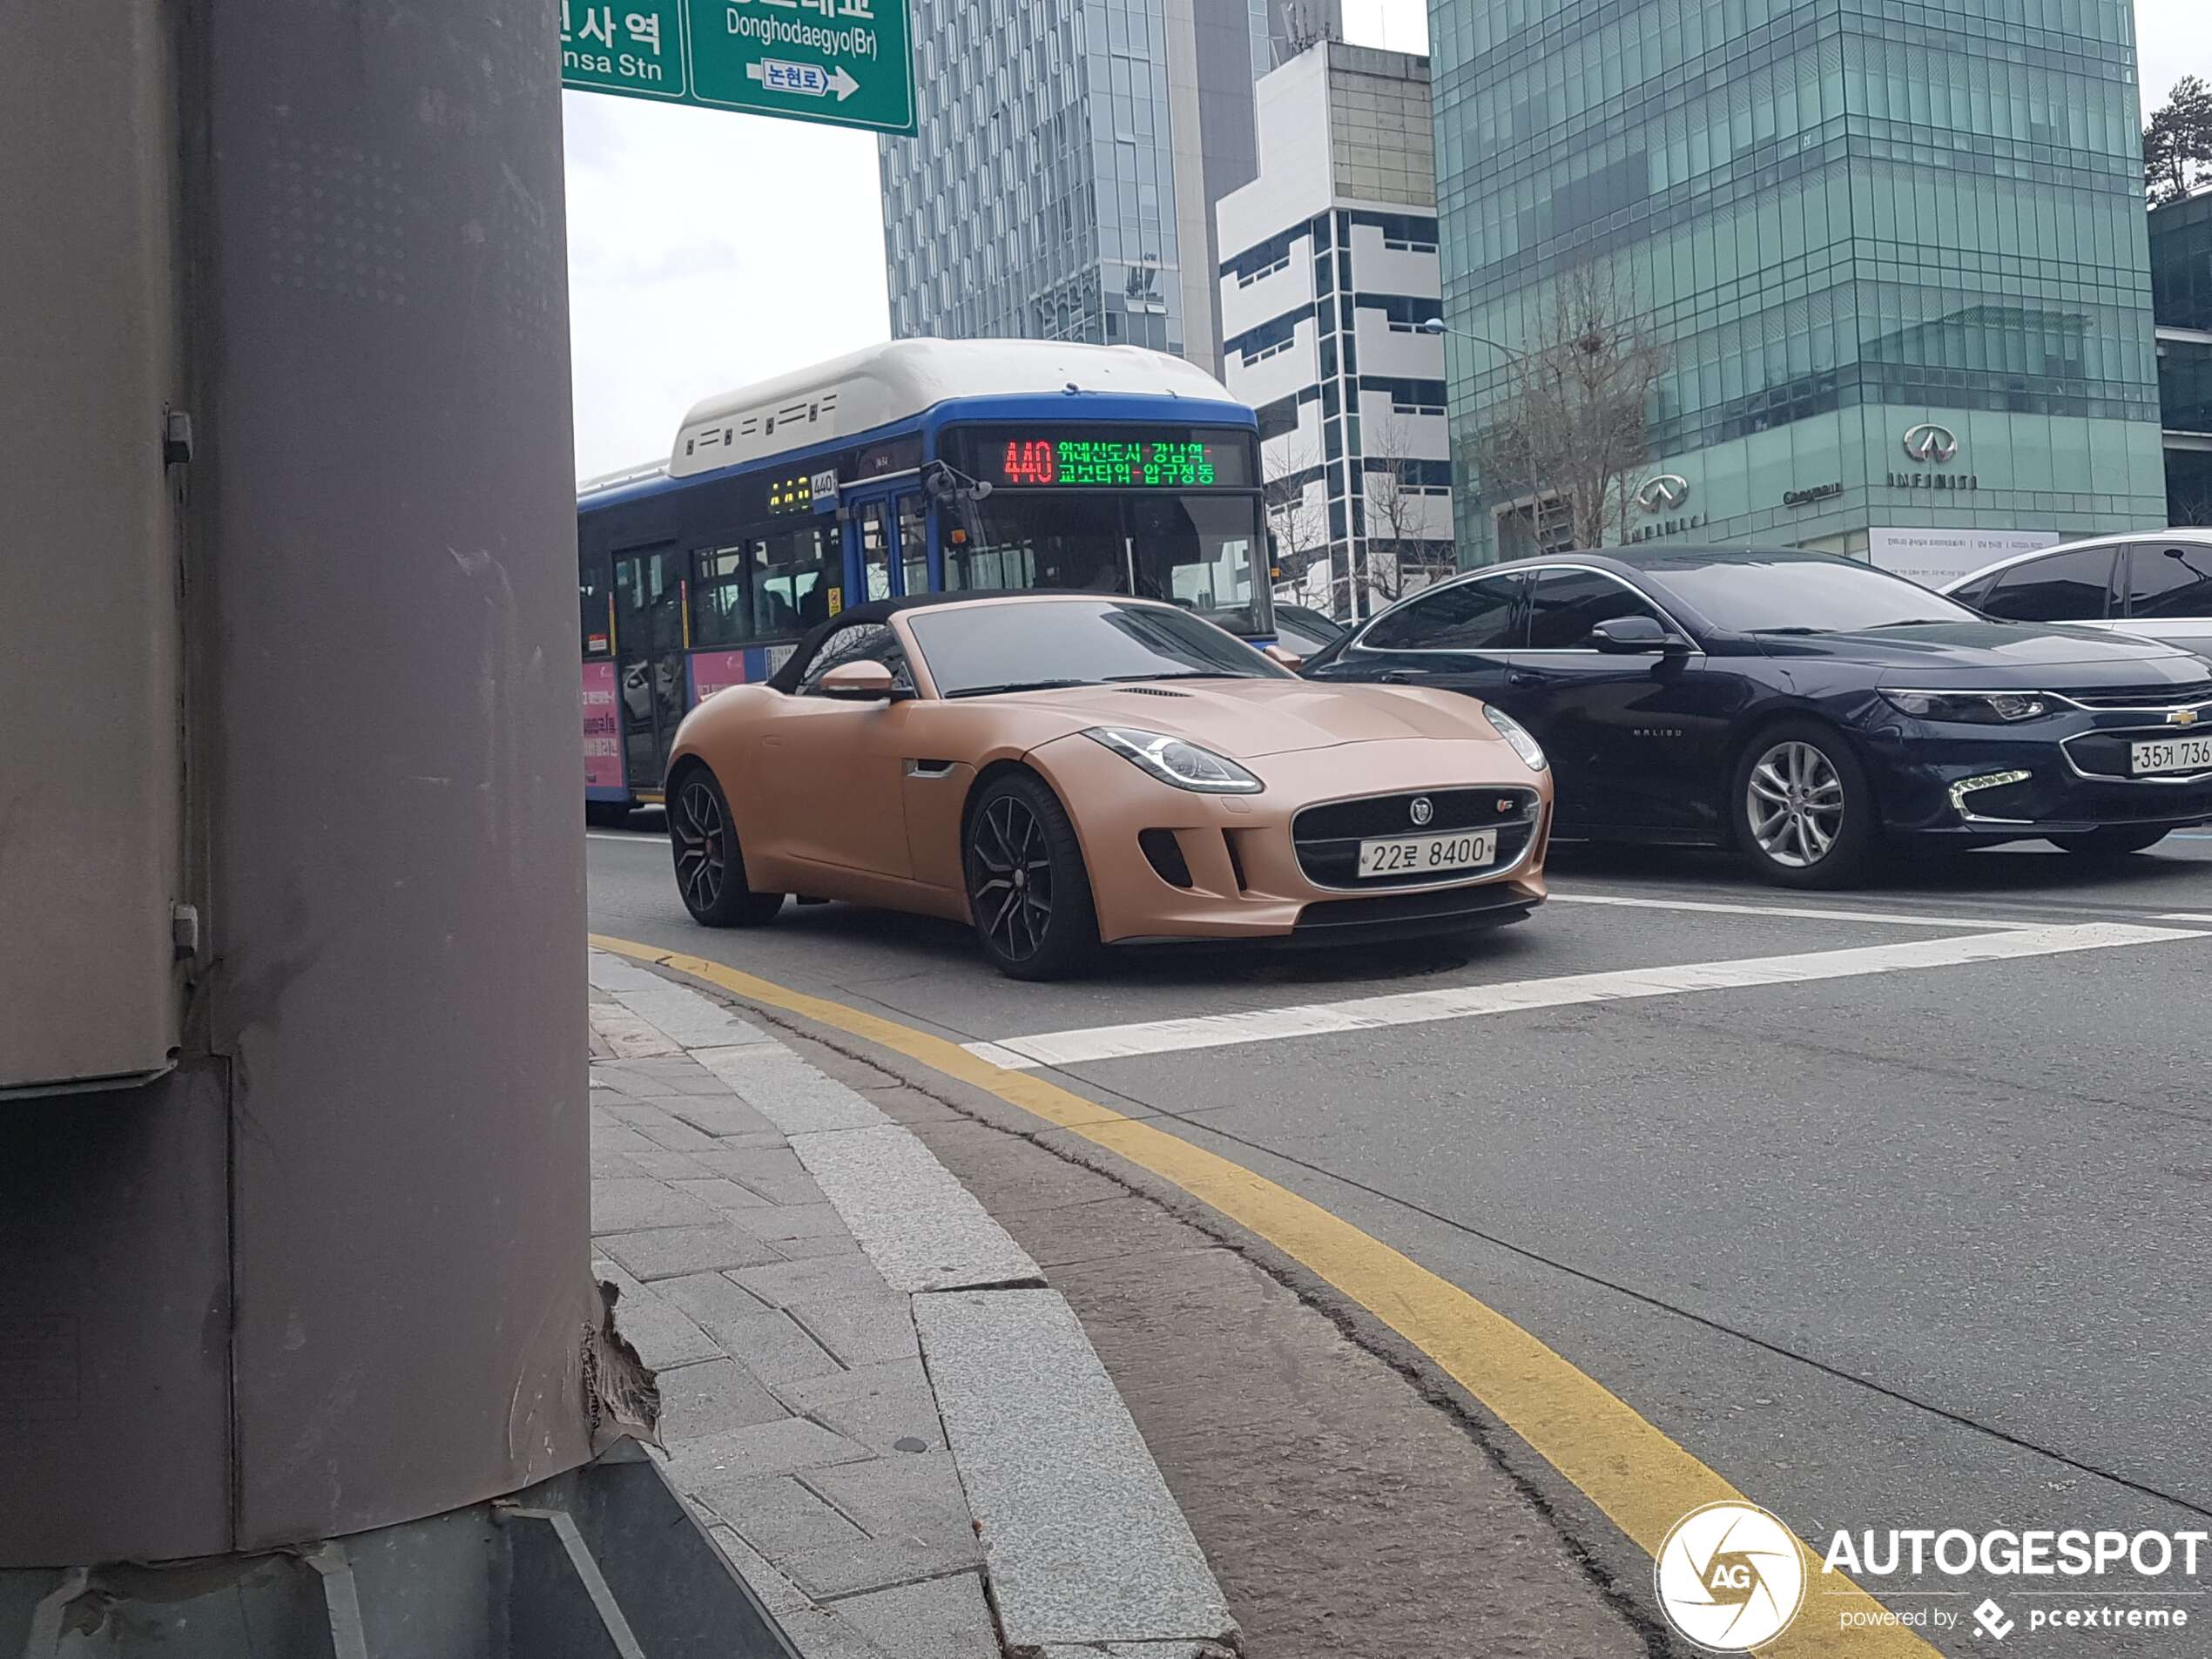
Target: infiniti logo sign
[1663, 494]
[1931, 444]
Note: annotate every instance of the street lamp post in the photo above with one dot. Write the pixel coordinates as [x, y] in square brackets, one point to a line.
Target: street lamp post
[1437, 326]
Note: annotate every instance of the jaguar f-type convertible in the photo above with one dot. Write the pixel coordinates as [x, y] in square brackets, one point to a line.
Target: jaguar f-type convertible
[1066, 771]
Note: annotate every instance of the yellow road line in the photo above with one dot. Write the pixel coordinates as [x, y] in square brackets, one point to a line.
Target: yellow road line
[1641, 1479]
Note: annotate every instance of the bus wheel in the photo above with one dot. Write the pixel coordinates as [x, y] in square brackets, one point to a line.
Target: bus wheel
[710, 867]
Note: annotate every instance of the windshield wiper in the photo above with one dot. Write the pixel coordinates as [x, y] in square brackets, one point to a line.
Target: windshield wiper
[1178, 674]
[1800, 631]
[1016, 685]
[1914, 622]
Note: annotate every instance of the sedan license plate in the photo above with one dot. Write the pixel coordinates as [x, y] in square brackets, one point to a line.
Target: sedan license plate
[2170, 754]
[1420, 854]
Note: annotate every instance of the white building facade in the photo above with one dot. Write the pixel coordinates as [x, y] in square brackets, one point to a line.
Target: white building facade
[1329, 267]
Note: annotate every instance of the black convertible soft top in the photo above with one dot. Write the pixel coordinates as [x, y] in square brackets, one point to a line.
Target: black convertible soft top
[786, 678]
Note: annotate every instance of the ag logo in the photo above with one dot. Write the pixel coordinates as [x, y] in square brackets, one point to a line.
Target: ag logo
[1730, 1577]
[1931, 444]
[1424, 810]
[1664, 493]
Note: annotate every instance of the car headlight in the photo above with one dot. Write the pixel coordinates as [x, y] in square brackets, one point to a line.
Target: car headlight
[1174, 760]
[1974, 708]
[1517, 734]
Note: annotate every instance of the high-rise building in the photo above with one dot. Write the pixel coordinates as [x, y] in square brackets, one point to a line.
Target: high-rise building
[1067, 157]
[1328, 270]
[2180, 280]
[1893, 253]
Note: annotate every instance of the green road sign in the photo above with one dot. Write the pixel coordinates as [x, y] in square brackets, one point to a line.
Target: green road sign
[844, 61]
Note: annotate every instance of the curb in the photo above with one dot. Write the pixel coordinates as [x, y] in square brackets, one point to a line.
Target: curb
[1086, 1553]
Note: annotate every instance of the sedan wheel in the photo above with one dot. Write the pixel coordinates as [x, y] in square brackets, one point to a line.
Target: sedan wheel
[1796, 805]
[1804, 813]
[709, 868]
[1027, 887]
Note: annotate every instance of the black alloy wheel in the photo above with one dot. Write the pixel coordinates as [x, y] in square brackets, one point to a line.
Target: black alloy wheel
[1027, 887]
[2114, 840]
[709, 868]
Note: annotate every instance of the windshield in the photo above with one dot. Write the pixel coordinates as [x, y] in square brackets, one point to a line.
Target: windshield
[975, 649]
[1193, 550]
[1804, 595]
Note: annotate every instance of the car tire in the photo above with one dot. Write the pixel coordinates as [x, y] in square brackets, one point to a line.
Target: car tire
[2114, 840]
[1802, 809]
[1028, 893]
[710, 865]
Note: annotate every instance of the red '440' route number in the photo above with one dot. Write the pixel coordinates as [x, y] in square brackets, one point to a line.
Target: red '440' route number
[1032, 463]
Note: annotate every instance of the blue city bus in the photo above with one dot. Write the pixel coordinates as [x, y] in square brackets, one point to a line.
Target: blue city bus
[919, 465]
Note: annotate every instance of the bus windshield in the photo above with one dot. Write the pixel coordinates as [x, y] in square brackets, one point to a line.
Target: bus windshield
[1200, 551]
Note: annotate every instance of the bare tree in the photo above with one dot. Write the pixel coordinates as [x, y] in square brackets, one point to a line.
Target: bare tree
[1300, 529]
[1401, 556]
[1572, 432]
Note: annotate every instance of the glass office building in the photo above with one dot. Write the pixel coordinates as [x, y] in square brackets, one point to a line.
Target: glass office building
[1067, 158]
[1895, 252]
[2180, 280]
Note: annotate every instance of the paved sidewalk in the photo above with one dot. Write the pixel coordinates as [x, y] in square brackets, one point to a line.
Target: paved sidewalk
[729, 1181]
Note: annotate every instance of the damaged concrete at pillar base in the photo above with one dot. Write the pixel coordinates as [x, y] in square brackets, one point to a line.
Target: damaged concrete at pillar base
[621, 1392]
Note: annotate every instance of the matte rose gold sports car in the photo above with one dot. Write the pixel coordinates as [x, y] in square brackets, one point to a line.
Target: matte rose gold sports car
[1065, 771]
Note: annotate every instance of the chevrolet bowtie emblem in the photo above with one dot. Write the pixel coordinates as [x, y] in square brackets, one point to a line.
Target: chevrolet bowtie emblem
[2181, 716]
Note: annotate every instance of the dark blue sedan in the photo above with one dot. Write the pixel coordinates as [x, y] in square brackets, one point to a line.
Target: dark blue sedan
[1804, 709]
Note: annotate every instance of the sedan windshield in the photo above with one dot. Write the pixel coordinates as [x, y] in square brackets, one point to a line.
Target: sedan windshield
[972, 650]
[1804, 596]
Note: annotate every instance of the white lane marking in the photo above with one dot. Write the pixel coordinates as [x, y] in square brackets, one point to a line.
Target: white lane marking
[2183, 915]
[1466, 1001]
[624, 835]
[1793, 914]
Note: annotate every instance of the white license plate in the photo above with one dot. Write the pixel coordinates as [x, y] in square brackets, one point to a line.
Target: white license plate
[1420, 854]
[2170, 754]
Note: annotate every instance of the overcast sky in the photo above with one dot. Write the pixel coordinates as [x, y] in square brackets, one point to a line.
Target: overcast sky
[707, 251]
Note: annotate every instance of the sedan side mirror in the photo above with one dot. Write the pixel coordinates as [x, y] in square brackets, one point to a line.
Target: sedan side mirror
[1281, 658]
[858, 683]
[1630, 636]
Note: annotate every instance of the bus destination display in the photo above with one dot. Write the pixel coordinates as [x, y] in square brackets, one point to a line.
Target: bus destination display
[1124, 464]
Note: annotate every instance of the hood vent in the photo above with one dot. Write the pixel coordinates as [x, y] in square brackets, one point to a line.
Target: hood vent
[1150, 690]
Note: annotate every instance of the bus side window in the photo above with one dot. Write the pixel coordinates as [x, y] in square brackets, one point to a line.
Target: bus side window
[721, 610]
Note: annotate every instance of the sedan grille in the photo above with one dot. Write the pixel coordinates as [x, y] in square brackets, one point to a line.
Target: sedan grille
[2145, 697]
[1327, 838]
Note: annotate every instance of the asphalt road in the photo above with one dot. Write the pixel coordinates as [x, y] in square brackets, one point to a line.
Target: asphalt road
[1888, 1234]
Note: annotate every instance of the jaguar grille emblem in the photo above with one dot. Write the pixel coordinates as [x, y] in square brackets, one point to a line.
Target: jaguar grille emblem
[1424, 810]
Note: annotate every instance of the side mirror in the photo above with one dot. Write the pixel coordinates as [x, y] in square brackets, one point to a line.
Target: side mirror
[1632, 635]
[857, 682]
[1281, 658]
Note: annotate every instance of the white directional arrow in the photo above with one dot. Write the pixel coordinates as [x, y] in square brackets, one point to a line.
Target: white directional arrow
[808, 80]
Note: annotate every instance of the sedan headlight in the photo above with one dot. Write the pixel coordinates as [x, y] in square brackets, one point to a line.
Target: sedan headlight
[1517, 734]
[1173, 760]
[1972, 708]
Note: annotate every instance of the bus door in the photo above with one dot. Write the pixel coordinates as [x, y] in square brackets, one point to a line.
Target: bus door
[650, 687]
[887, 546]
